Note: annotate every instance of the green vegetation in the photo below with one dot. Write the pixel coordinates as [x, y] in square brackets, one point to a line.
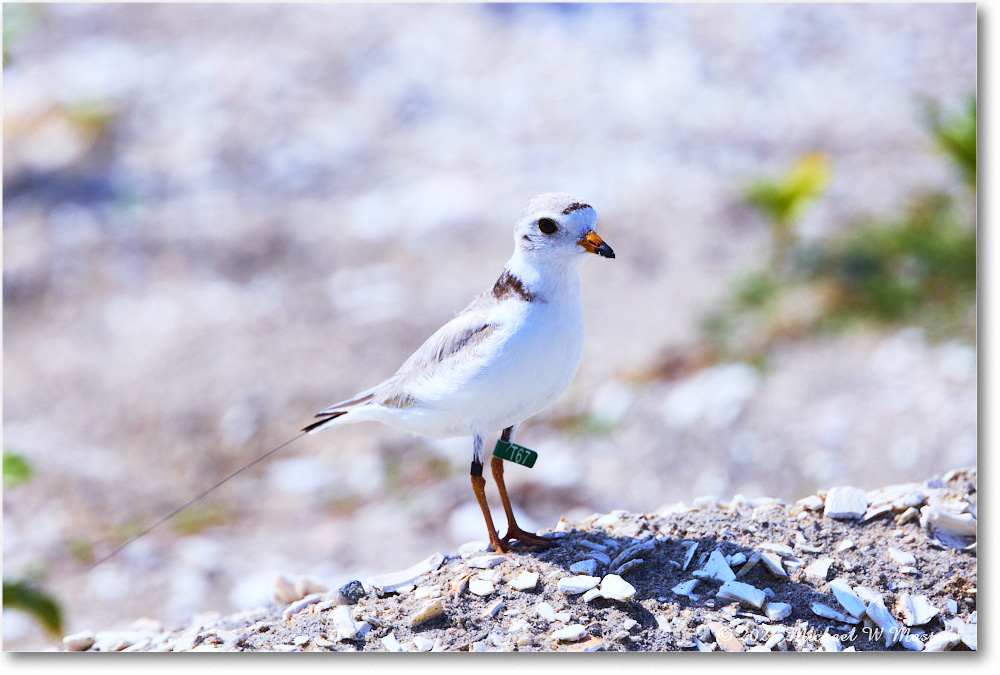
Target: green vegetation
[27, 597]
[25, 594]
[918, 268]
[16, 469]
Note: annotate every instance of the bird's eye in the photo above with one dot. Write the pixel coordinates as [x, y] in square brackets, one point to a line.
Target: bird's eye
[547, 225]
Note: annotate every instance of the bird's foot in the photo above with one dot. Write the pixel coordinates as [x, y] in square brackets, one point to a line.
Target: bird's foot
[527, 539]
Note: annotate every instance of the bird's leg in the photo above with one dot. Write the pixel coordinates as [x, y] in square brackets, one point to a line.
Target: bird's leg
[513, 531]
[479, 488]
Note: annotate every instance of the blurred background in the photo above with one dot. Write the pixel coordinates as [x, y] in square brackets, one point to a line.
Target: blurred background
[219, 219]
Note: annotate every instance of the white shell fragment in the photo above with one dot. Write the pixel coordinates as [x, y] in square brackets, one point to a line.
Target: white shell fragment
[819, 609]
[633, 551]
[524, 581]
[578, 584]
[569, 633]
[845, 503]
[819, 569]
[943, 641]
[389, 583]
[392, 644]
[745, 594]
[811, 503]
[592, 594]
[717, 568]
[902, 557]
[427, 612]
[776, 611]
[916, 610]
[481, 587]
[485, 562]
[84, 640]
[880, 616]
[830, 643]
[613, 587]
[545, 611]
[847, 598]
[685, 588]
[773, 564]
[691, 546]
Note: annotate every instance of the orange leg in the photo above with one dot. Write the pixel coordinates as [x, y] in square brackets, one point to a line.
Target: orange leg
[479, 487]
[513, 531]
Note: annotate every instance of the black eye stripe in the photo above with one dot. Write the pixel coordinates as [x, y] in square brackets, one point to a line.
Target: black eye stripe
[547, 225]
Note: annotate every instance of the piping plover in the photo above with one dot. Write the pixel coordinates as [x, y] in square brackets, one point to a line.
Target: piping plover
[503, 358]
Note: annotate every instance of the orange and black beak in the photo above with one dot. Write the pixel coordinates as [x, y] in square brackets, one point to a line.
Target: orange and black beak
[595, 244]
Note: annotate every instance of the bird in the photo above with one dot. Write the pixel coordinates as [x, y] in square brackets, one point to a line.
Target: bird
[502, 359]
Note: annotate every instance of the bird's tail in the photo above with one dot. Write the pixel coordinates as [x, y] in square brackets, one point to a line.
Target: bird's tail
[319, 425]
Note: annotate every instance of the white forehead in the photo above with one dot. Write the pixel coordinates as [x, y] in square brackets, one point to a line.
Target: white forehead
[558, 205]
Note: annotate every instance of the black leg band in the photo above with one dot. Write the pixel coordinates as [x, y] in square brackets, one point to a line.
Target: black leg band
[505, 435]
[477, 469]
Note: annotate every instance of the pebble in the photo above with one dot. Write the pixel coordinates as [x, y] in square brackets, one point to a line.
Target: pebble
[586, 543]
[776, 611]
[524, 581]
[901, 557]
[570, 633]
[725, 637]
[845, 503]
[578, 584]
[587, 567]
[429, 611]
[744, 593]
[352, 592]
[592, 594]
[613, 587]
[819, 569]
[916, 610]
[854, 605]
[485, 562]
[79, 642]
[481, 587]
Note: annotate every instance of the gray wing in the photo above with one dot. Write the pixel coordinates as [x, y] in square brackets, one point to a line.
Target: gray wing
[472, 326]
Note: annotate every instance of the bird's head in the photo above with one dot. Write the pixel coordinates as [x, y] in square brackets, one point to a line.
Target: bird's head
[558, 228]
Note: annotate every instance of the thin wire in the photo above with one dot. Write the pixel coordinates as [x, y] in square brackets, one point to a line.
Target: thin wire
[193, 500]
